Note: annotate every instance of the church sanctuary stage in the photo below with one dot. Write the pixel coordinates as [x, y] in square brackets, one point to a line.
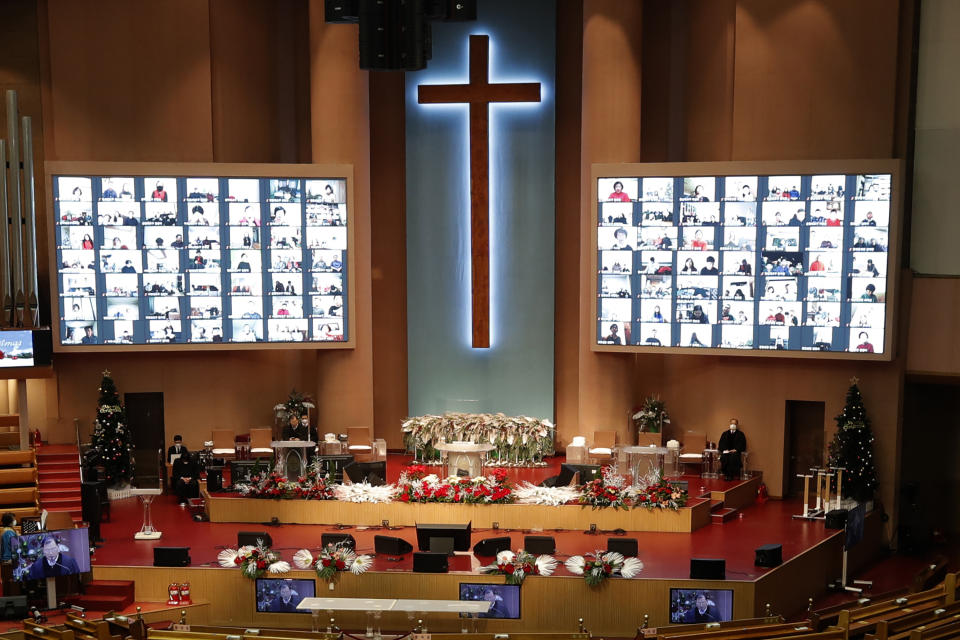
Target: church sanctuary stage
[811, 553]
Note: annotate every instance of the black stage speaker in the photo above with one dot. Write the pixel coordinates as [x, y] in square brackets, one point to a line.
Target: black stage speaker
[341, 11]
[836, 519]
[427, 562]
[391, 546]
[708, 569]
[250, 538]
[626, 547]
[342, 539]
[214, 479]
[769, 555]
[13, 607]
[459, 532]
[492, 546]
[171, 556]
[539, 545]
[374, 473]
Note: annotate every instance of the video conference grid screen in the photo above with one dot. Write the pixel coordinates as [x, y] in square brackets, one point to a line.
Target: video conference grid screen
[780, 262]
[187, 260]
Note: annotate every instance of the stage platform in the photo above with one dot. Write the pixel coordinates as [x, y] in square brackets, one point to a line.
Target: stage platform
[708, 498]
[812, 557]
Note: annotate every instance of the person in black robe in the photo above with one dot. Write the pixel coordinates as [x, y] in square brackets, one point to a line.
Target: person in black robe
[702, 611]
[732, 444]
[185, 475]
[286, 601]
[299, 429]
[176, 448]
[52, 562]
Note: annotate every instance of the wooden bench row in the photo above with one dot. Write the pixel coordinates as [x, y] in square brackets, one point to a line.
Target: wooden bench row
[18, 483]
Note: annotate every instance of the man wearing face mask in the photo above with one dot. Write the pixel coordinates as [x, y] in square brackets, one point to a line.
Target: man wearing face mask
[8, 522]
[731, 445]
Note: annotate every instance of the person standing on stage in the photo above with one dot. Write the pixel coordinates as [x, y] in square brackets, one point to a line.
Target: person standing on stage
[731, 445]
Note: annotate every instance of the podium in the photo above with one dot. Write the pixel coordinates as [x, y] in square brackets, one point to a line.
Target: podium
[464, 456]
[285, 448]
[147, 531]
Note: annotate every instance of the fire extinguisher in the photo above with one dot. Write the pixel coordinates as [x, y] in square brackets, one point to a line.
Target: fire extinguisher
[762, 493]
[185, 593]
[174, 591]
[36, 441]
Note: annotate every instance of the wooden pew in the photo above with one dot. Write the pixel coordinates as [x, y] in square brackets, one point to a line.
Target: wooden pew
[828, 616]
[85, 629]
[513, 636]
[682, 629]
[902, 625]
[34, 631]
[758, 632]
[885, 609]
[942, 632]
[171, 634]
[262, 632]
[126, 627]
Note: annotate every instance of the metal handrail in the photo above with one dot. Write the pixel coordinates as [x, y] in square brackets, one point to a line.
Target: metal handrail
[76, 428]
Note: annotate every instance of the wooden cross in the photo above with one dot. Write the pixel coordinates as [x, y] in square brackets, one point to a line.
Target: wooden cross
[479, 93]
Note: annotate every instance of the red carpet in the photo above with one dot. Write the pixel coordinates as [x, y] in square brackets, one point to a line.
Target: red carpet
[58, 479]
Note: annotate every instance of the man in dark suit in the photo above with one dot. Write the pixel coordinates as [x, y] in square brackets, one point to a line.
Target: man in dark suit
[185, 474]
[286, 602]
[176, 449]
[52, 562]
[732, 444]
[702, 611]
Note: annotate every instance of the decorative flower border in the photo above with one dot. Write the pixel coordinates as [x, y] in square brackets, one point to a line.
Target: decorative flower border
[254, 561]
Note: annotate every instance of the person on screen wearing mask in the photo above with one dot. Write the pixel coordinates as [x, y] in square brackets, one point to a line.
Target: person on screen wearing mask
[618, 194]
[868, 221]
[614, 337]
[731, 445]
[8, 522]
[52, 562]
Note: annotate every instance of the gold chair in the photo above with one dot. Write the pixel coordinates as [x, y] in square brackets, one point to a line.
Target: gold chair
[360, 444]
[260, 439]
[224, 443]
[602, 450]
[694, 442]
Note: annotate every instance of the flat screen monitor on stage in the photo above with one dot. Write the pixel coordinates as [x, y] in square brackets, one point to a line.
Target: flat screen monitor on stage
[747, 258]
[62, 552]
[505, 598]
[460, 533]
[700, 605]
[282, 596]
[161, 257]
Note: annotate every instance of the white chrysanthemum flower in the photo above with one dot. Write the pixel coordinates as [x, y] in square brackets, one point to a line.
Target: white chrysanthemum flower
[245, 550]
[361, 564]
[280, 566]
[227, 558]
[575, 564]
[303, 559]
[251, 569]
[546, 565]
[612, 557]
[631, 567]
[505, 557]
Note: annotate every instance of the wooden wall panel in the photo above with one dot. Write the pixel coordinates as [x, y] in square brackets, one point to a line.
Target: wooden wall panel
[551, 604]
[130, 81]
[815, 79]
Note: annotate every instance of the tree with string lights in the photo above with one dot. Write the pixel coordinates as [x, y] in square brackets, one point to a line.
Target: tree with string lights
[111, 435]
[852, 448]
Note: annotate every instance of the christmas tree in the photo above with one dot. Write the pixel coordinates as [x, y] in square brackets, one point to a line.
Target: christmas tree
[852, 448]
[111, 437]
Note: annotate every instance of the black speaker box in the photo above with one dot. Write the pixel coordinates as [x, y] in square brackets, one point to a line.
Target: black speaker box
[341, 11]
[13, 607]
[171, 556]
[214, 479]
[342, 539]
[90, 508]
[769, 555]
[427, 562]
[539, 545]
[708, 569]
[245, 538]
[492, 546]
[626, 547]
[836, 519]
[390, 546]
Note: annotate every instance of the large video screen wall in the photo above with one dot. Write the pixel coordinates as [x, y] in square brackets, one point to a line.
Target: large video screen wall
[188, 260]
[781, 262]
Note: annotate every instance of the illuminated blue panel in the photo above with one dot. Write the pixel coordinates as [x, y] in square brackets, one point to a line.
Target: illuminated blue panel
[515, 374]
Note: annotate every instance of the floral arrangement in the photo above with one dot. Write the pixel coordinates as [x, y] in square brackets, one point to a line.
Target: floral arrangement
[519, 565]
[364, 492]
[416, 486]
[609, 490]
[527, 493]
[519, 436]
[651, 416]
[331, 559]
[254, 562]
[661, 495]
[598, 566]
[296, 405]
[312, 486]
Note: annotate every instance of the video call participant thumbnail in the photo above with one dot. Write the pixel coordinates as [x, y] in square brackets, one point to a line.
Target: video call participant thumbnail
[53, 562]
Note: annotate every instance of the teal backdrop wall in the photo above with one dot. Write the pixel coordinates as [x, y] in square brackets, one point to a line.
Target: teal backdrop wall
[515, 375]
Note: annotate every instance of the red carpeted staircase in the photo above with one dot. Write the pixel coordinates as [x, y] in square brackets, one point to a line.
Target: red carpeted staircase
[58, 479]
[104, 595]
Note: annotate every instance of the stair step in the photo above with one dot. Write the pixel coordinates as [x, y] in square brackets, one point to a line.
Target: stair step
[57, 474]
[724, 515]
[46, 503]
[58, 455]
[57, 463]
[59, 492]
[716, 505]
[101, 603]
[109, 588]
